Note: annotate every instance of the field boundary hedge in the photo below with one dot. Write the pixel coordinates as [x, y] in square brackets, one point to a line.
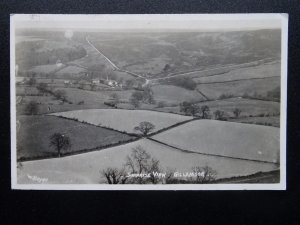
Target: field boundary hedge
[81, 151]
[209, 154]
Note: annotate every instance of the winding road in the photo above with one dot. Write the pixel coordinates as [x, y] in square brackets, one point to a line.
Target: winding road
[147, 81]
[115, 66]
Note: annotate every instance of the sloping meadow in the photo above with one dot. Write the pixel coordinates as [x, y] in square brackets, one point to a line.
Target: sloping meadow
[124, 120]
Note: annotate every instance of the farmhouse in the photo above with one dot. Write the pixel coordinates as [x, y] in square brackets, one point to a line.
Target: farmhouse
[59, 63]
[67, 82]
[112, 83]
[95, 81]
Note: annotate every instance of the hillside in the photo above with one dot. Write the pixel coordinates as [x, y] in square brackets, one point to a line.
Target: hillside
[230, 139]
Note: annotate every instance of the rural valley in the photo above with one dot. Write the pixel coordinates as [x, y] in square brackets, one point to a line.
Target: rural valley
[93, 106]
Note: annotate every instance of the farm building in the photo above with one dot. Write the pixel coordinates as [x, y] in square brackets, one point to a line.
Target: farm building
[67, 82]
[112, 83]
[95, 81]
[59, 63]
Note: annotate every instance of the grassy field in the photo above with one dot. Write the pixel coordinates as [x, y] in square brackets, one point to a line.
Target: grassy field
[270, 120]
[245, 141]
[44, 68]
[71, 70]
[71, 170]
[261, 71]
[170, 94]
[239, 88]
[248, 107]
[26, 90]
[80, 99]
[35, 131]
[124, 120]
[76, 95]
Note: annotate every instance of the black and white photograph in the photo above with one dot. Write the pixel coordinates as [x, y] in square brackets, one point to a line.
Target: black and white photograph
[148, 102]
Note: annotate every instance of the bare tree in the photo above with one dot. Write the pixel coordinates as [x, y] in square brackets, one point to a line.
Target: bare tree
[145, 127]
[219, 115]
[148, 95]
[237, 112]
[61, 95]
[141, 162]
[59, 142]
[42, 87]
[205, 111]
[135, 102]
[189, 108]
[32, 81]
[93, 87]
[114, 175]
[153, 168]
[204, 174]
[115, 98]
[169, 176]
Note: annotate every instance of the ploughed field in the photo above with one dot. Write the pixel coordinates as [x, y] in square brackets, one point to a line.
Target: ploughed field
[124, 120]
[246, 141]
[72, 170]
[33, 136]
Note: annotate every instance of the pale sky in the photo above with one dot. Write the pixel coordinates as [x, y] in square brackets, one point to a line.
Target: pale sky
[151, 22]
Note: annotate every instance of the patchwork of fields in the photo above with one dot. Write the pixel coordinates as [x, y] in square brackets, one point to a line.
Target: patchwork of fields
[95, 105]
[124, 120]
[71, 170]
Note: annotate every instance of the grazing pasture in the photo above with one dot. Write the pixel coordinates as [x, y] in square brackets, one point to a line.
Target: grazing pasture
[76, 95]
[268, 121]
[71, 170]
[71, 70]
[231, 139]
[261, 71]
[45, 69]
[174, 95]
[33, 135]
[240, 88]
[27, 91]
[124, 120]
[248, 107]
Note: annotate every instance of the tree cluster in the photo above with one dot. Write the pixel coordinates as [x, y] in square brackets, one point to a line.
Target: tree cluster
[184, 82]
[141, 168]
[144, 96]
[193, 109]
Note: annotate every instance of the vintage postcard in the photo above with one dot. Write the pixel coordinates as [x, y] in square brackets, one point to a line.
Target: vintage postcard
[149, 102]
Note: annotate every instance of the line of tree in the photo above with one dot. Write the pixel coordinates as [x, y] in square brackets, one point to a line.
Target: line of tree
[140, 163]
[193, 109]
[203, 112]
